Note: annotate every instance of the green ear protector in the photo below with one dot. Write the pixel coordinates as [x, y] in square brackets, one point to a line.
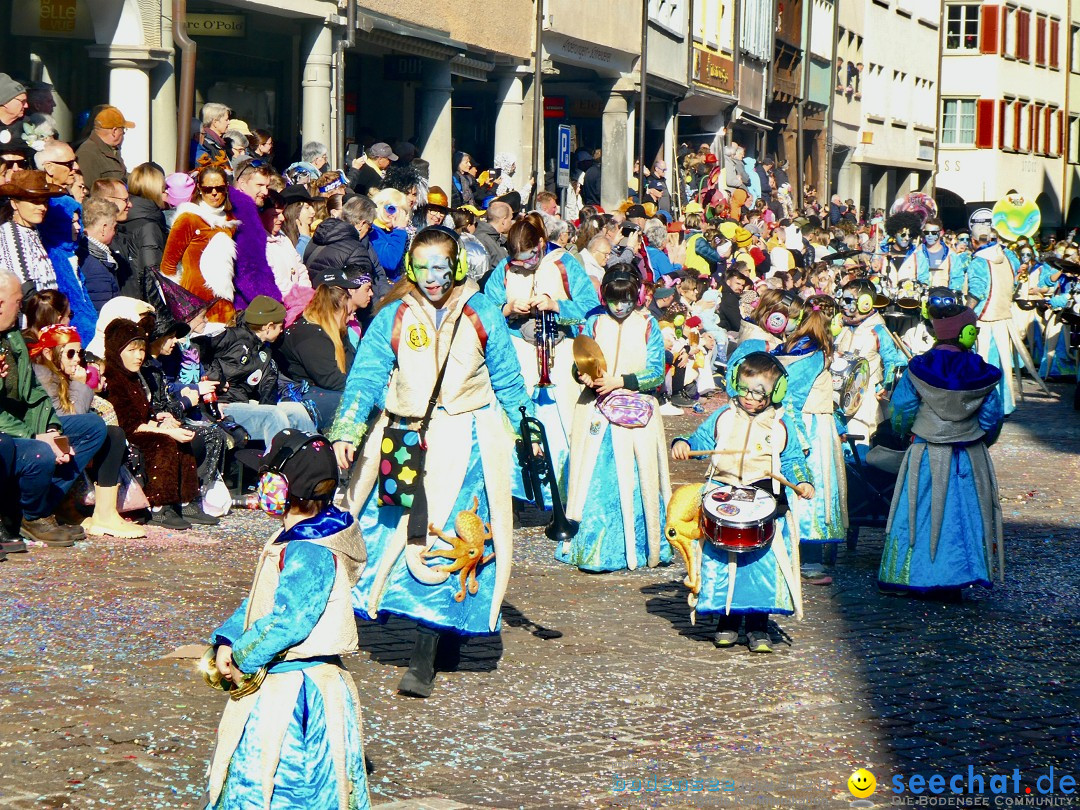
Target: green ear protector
[864, 303]
[461, 268]
[776, 396]
[836, 325]
[968, 336]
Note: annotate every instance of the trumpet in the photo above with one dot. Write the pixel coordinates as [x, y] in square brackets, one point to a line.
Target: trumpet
[214, 679]
[546, 331]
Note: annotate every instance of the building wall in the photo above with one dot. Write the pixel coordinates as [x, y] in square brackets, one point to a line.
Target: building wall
[1013, 121]
[509, 29]
[611, 23]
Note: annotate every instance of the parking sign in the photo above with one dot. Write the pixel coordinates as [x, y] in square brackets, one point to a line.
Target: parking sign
[562, 178]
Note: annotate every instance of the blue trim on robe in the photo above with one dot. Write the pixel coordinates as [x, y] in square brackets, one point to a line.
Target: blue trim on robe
[572, 311]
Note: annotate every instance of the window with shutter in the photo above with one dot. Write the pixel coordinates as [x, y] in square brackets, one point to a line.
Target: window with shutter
[1018, 117]
[1003, 106]
[1055, 32]
[1023, 35]
[1036, 124]
[1047, 121]
[1040, 40]
[1029, 147]
[1060, 132]
[984, 124]
[989, 23]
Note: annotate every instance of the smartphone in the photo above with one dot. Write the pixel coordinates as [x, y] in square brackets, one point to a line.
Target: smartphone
[352, 152]
[63, 444]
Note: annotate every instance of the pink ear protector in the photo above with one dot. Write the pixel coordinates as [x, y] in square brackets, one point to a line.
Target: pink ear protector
[776, 323]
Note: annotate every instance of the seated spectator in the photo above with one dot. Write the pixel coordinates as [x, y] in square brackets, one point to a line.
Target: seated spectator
[57, 359]
[289, 271]
[21, 251]
[144, 229]
[44, 308]
[122, 307]
[61, 233]
[345, 242]
[317, 348]
[51, 451]
[171, 479]
[299, 222]
[240, 357]
[97, 265]
[388, 235]
[656, 233]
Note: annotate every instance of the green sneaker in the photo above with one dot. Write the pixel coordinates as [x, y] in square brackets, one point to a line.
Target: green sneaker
[759, 642]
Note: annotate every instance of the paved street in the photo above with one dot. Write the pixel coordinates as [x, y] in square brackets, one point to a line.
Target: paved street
[94, 712]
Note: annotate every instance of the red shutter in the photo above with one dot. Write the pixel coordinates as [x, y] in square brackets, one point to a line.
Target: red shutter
[1032, 118]
[1023, 35]
[1054, 28]
[1036, 122]
[989, 22]
[1001, 124]
[1018, 114]
[1040, 40]
[1061, 133]
[984, 124]
[1047, 113]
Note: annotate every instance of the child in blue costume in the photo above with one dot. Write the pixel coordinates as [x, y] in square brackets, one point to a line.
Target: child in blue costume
[296, 742]
[990, 282]
[433, 317]
[805, 354]
[619, 480]
[759, 440]
[945, 528]
[532, 280]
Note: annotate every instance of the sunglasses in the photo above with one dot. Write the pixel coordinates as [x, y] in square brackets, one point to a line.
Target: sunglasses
[755, 395]
[932, 230]
[17, 163]
[213, 189]
[943, 300]
[251, 164]
[963, 239]
[67, 163]
[69, 354]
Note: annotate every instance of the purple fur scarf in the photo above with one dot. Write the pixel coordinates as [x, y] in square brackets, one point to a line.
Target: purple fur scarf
[253, 275]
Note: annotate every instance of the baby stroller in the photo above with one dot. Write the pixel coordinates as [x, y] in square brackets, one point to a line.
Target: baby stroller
[871, 479]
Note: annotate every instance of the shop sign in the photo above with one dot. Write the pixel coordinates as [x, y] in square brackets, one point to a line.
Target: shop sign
[217, 25]
[403, 68]
[717, 72]
[554, 106]
[586, 108]
[69, 19]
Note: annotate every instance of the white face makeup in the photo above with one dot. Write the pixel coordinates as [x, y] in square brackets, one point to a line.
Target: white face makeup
[619, 309]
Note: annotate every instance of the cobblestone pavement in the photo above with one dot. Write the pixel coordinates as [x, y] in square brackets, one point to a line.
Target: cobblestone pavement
[94, 712]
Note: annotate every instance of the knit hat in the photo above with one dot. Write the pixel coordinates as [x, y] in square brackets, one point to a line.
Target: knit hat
[950, 327]
[178, 188]
[263, 310]
[9, 88]
[118, 335]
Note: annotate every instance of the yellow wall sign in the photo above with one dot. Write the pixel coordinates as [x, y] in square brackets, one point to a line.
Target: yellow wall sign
[217, 25]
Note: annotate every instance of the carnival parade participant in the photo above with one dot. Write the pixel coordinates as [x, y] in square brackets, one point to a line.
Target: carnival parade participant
[1057, 355]
[537, 288]
[296, 739]
[903, 229]
[619, 481]
[806, 353]
[863, 333]
[945, 525]
[752, 440]
[991, 276]
[439, 362]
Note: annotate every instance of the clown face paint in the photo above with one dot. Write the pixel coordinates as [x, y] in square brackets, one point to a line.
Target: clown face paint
[528, 260]
[432, 271]
[620, 309]
[903, 239]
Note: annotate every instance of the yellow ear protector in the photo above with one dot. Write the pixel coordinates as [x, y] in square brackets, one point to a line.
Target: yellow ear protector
[776, 396]
[461, 267]
[864, 303]
[968, 336]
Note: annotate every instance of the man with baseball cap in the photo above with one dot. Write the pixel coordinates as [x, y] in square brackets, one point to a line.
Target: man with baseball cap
[99, 156]
[13, 107]
[367, 172]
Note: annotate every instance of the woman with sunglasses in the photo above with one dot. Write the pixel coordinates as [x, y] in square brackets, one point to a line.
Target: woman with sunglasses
[535, 280]
[201, 249]
[56, 354]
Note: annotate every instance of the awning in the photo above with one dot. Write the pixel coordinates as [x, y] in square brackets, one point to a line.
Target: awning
[749, 119]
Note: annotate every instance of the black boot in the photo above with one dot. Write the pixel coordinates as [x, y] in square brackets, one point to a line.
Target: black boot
[420, 678]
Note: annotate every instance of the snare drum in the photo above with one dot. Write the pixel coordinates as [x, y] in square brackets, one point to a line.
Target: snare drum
[850, 379]
[738, 519]
[910, 294]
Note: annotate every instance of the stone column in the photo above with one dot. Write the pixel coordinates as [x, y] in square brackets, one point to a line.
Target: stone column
[317, 57]
[435, 135]
[881, 191]
[509, 132]
[848, 181]
[129, 91]
[616, 153]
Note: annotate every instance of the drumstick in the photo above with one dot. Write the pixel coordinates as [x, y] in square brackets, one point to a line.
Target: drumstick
[702, 453]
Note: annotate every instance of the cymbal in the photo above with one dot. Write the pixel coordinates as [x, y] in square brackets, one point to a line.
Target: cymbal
[1072, 268]
[589, 357]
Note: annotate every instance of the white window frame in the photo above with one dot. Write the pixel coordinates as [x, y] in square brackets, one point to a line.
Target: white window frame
[963, 107]
[965, 9]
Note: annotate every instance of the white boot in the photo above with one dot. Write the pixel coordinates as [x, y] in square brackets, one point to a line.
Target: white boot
[106, 521]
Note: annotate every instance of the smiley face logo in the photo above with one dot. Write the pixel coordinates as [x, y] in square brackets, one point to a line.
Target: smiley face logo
[862, 783]
[417, 337]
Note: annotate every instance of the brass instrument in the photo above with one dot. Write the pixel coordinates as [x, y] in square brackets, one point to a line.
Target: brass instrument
[214, 679]
[539, 472]
[546, 337]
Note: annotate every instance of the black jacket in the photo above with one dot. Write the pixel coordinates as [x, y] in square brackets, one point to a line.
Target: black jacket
[728, 312]
[307, 353]
[238, 357]
[363, 179]
[493, 241]
[142, 237]
[590, 185]
[336, 244]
